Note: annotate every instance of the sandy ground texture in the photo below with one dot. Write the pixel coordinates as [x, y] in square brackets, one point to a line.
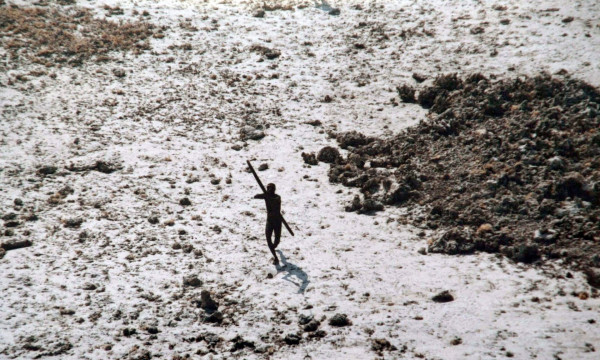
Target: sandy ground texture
[129, 177]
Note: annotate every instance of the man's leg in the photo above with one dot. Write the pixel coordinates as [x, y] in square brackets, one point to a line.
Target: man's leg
[277, 228]
[269, 232]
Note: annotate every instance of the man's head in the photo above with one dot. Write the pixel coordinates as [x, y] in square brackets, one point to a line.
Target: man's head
[271, 188]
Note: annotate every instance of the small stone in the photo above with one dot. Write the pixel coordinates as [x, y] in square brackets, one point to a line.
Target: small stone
[2, 252]
[216, 317]
[73, 222]
[328, 155]
[423, 251]
[260, 13]
[456, 341]
[191, 281]
[443, 297]
[339, 320]
[206, 302]
[215, 181]
[312, 325]
[379, 345]
[292, 339]
[89, 287]
[153, 220]
[18, 202]
[47, 170]
[185, 202]
[263, 167]
[334, 11]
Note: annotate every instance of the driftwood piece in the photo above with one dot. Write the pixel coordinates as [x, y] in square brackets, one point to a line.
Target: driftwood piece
[15, 244]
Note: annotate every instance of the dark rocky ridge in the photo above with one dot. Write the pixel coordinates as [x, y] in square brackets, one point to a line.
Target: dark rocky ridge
[510, 166]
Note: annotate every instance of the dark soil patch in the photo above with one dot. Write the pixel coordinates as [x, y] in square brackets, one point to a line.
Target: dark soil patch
[510, 166]
[69, 35]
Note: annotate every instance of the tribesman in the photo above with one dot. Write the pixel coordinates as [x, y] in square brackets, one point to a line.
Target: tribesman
[274, 218]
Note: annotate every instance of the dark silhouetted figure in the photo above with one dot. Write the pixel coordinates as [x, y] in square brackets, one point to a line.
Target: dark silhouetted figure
[273, 202]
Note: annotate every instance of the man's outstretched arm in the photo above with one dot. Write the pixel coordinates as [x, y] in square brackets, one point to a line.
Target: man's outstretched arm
[259, 196]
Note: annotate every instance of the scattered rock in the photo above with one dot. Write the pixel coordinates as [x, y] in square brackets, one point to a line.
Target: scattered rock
[260, 13]
[263, 167]
[328, 155]
[407, 93]
[185, 202]
[292, 339]
[47, 170]
[380, 345]
[191, 281]
[250, 133]
[239, 343]
[340, 320]
[334, 11]
[215, 317]
[15, 244]
[443, 297]
[526, 253]
[72, 222]
[310, 158]
[18, 202]
[153, 220]
[2, 252]
[312, 325]
[206, 302]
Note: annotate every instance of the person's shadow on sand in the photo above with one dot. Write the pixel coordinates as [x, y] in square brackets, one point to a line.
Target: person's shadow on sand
[294, 274]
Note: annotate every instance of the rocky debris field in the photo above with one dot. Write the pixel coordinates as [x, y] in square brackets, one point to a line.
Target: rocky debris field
[509, 166]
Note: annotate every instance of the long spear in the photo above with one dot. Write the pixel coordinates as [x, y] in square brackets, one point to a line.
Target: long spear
[265, 191]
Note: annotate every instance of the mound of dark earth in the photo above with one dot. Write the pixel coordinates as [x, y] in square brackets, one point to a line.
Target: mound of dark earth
[510, 166]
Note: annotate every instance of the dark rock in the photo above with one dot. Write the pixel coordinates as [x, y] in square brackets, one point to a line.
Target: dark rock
[352, 138]
[328, 155]
[191, 281]
[215, 181]
[185, 202]
[215, 317]
[2, 252]
[340, 320]
[89, 287]
[443, 297]
[18, 202]
[334, 11]
[47, 170]
[312, 325]
[418, 77]
[73, 222]
[107, 167]
[265, 51]
[593, 277]
[153, 220]
[355, 205]
[380, 345]
[128, 332]
[260, 13]
[239, 343]
[292, 339]
[407, 93]
[526, 253]
[448, 82]
[12, 223]
[263, 167]
[371, 205]
[250, 133]
[9, 216]
[206, 302]
[305, 319]
[310, 158]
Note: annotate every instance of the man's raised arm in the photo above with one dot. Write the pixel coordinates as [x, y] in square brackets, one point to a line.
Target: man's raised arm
[259, 196]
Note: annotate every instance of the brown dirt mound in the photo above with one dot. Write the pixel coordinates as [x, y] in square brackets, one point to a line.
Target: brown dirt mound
[510, 166]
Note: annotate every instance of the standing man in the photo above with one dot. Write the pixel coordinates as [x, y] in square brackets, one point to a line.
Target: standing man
[273, 202]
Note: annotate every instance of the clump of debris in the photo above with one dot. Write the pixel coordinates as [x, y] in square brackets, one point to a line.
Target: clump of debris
[510, 166]
[67, 35]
